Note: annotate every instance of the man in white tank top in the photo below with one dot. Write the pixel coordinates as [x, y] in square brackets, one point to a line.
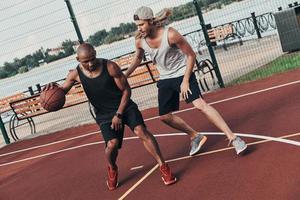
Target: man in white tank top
[175, 60]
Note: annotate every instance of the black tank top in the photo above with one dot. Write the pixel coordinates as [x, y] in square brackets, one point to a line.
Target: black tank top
[102, 92]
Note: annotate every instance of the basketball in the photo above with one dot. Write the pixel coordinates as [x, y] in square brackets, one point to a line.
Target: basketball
[53, 99]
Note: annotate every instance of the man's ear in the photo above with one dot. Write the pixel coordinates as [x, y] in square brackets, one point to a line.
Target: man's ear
[151, 21]
[77, 58]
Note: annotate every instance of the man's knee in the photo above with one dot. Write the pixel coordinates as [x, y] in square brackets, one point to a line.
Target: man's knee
[167, 118]
[141, 132]
[200, 104]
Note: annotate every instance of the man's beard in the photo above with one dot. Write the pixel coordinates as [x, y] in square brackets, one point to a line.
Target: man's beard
[92, 68]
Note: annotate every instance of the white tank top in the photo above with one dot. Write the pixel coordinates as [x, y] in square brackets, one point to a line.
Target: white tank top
[170, 60]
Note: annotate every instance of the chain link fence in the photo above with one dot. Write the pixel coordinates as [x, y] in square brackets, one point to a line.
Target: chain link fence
[39, 37]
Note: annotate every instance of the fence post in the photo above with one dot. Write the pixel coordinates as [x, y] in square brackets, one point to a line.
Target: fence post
[30, 90]
[73, 18]
[4, 133]
[209, 45]
[255, 25]
[38, 87]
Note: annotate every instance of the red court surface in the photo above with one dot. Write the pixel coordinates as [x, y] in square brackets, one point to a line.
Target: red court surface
[70, 164]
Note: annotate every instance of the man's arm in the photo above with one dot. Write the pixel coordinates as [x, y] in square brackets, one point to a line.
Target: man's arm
[71, 78]
[122, 83]
[139, 54]
[175, 38]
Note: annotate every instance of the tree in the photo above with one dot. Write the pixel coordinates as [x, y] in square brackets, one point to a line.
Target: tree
[3, 73]
[23, 69]
[112, 38]
[10, 68]
[68, 47]
[98, 38]
[30, 62]
[38, 55]
[127, 28]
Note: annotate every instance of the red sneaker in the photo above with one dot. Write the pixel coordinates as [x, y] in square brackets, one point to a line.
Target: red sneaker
[112, 178]
[166, 174]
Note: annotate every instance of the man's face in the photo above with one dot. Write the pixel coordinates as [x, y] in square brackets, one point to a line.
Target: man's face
[144, 27]
[87, 60]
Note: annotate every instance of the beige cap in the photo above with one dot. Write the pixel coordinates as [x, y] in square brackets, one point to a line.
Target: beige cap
[143, 13]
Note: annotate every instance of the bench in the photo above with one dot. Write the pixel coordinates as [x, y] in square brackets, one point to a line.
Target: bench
[24, 109]
[222, 33]
[203, 68]
[5, 110]
[4, 103]
[145, 74]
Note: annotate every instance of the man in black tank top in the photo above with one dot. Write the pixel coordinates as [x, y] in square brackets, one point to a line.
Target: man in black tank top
[109, 92]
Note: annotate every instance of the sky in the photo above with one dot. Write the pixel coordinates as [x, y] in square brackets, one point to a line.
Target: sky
[28, 25]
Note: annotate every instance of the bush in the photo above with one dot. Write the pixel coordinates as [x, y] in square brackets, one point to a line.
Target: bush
[23, 69]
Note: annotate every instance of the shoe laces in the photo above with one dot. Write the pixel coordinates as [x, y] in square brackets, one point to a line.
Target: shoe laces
[112, 173]
[165, 169]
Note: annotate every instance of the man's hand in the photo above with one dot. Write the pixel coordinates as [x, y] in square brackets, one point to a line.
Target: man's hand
[185, 90]
[116, 123]
[50, 86]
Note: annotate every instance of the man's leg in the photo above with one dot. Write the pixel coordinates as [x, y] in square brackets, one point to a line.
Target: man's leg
[111, 153]
[179, 124]
[113, 140]
[152, 147]
[149, 142]
[168, 100]
[197, 139]
[214, 116]
[134, 119]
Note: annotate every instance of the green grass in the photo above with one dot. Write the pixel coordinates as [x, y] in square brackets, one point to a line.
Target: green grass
[279, 65]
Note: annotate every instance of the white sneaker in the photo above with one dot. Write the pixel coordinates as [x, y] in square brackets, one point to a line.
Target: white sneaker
[197, 143]
[239, 145]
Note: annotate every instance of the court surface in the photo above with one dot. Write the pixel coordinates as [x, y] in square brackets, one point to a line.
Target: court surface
[70, 164]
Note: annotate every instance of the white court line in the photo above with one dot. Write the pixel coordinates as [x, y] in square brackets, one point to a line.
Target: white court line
[201, 154]
[269, 138]
[184, 110]
[235, 97]
[48, 144]
[139, 182]
[138, 167]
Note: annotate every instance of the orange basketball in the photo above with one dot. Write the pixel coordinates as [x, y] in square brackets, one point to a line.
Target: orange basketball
[53, 99]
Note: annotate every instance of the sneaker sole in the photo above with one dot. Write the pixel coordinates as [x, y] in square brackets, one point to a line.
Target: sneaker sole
[111, 188]
[169, 182]
[199, 146]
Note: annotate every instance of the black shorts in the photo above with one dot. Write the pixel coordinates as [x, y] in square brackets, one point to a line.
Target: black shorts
[132, 117]
[169, 91]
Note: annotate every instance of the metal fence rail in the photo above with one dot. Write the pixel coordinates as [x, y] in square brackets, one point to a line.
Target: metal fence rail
[252, 22]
